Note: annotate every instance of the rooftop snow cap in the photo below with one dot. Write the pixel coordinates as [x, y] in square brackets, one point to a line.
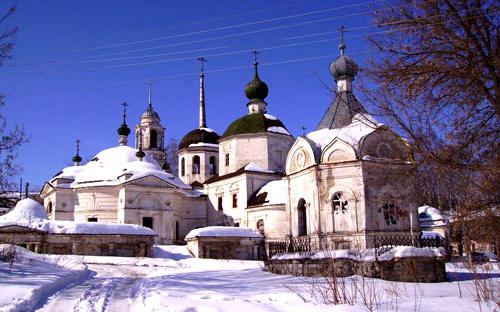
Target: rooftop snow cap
[200, 135]
[255, 123]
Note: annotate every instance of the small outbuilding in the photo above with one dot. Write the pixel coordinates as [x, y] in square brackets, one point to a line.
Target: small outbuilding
[226, 242]
[27, 225]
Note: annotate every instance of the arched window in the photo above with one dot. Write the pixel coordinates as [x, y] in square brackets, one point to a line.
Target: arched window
[302, 217]
[339, 204]
[153, 139]
[196, 164]
[213, 165]
[183, 167]
[390, 212]
[260, 226]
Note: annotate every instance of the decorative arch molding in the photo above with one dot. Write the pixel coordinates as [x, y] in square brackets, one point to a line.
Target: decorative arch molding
[337, 151]
[302, 154]
[147, 201]
[384, 143]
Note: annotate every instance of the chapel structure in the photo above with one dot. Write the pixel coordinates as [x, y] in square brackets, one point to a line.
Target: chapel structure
[341, 185]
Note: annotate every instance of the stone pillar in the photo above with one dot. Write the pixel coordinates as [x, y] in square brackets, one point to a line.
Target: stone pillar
[111, 249]
[75, 248]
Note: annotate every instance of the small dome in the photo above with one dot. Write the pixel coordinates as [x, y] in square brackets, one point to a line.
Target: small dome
[256, 90]
[255, 123]
[77, 158]
[200, 135]
[344, 67]
[140, 154]
[150, 113]
[123, 130]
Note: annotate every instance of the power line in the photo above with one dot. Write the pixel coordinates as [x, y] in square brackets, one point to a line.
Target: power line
[232, 16]
[234, 26]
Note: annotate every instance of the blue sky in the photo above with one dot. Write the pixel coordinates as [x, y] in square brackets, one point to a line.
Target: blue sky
[75, 62]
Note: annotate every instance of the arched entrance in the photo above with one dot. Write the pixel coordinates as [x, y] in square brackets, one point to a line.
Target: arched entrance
[302, 217]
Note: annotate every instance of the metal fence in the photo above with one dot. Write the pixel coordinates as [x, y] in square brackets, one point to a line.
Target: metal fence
[305, 246]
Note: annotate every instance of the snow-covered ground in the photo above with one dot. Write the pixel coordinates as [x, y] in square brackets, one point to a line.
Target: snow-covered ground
[174, 281]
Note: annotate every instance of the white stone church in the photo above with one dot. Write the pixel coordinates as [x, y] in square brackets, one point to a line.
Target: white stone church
[342, 184]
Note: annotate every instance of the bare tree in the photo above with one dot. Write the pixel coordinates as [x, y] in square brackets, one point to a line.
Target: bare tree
[10, 138]
[436, 79]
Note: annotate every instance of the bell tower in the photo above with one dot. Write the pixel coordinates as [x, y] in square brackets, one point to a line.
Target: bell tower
[150, 134]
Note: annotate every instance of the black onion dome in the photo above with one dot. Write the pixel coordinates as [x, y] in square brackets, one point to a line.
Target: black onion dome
[252, 123]
[140, 154]
[77, 158]
[256, 90]
[200, 135]
[123, 130]
[344, 67]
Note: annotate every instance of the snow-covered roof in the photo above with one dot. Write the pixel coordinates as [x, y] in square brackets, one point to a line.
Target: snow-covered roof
[278, 130]
[431, 234]
[270, 117]
[30, 214]
[224, 231]
[201, 144]
[254, 167]
[273, 193]
[428, 213]
[105, 168]
[361, 126]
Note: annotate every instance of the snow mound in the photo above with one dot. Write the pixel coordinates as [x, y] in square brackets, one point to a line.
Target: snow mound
[278, 130]
[26, 209]
[409, 251]
[276, 192]
[361, 126]
[223, 231]
[366, 254]
[254, 167]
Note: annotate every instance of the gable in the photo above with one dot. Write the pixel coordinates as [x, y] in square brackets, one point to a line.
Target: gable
[302, 155]
[384, 143]
[150, 181]
[338, 151]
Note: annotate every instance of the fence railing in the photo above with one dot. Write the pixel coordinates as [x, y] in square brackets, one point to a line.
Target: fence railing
[305, 246]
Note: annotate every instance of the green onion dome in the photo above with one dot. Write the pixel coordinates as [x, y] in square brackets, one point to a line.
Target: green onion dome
[200, 135]
[256, 90]
[256, 123]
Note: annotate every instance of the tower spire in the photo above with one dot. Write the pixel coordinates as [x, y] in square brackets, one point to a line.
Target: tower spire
[203, 118]
[150, 103]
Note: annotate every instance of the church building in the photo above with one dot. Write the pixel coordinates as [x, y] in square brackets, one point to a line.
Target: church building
[342, 185]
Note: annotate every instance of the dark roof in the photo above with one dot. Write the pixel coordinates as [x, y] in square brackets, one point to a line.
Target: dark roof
[197, 184]
[199, 135]
[257, 199]
[344, 67]
[340, 112]
[242, 170]
[123, 130]
[252, 123]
